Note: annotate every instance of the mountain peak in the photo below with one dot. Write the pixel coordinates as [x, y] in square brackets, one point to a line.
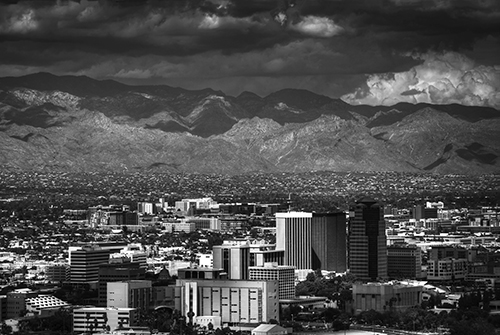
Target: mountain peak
[248, 95]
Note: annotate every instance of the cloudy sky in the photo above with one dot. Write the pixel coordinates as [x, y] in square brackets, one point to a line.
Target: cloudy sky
[370, 52]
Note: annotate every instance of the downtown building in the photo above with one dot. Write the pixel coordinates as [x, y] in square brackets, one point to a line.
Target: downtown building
[84, 263]
[234, 258]
[404, 261]
[102, 319]
[130, 294]
[312, 241]
[383, 297]
[283, 274]
[114, 271]
[236, 302]
[367, 240]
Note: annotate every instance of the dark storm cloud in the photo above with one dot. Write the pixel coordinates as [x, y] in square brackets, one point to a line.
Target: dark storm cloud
[240, 44]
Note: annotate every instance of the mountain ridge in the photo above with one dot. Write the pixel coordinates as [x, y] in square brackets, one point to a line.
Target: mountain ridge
[167, 129]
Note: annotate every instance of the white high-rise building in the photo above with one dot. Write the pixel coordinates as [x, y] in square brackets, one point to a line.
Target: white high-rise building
[312, 240]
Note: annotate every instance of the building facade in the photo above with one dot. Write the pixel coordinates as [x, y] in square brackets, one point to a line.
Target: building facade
[235, 301]
[383, 297]
[367, 240]
[404, 261]
[44, 305]
[447, 269]
[312, 241]
[284, 275]
[234, 258]
[84, 263]
[94, 319]
[118, 270]
[130, 294]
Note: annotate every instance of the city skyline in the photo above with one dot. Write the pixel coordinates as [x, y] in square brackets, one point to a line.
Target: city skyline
[370, 52]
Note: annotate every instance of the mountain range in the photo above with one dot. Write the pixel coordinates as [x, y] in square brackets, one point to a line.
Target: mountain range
[78, 124]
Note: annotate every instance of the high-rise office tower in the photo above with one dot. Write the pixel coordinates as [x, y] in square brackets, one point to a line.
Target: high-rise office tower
[312, 240]
[84, 263]
[367, 240]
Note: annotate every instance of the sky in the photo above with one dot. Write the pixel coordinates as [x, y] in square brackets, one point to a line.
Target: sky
[377, 52]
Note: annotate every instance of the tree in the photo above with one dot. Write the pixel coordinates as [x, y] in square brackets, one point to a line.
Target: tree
[478, 326]
[311, 277]
[6, 329]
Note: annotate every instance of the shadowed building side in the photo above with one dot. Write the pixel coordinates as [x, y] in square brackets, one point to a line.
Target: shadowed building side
[312, 240]
[329, 242]
[367, 240]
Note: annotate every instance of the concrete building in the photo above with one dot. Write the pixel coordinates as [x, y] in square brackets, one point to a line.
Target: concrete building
[449, 262]
[447, 269]
[31, 303]
[146, 208]
[166, 296]
[385, 296]
[130, 294]
[186, 227]
[118, 270]
[404, 261]
[234, 258]
[185, 205]
[269, 329]
[3, 307]
[84, 263]
[283, 274]
[204, 321]
[90, 319]
[447, 251]
[114, 215]
[205, 260]
[57, 273]
[16, 302]
[204, 223]
[312, 240]
[135, 253]
[261, 254]
[420, 212]
[201, 273]
[43, 305]
[235, 301]
[367, 240]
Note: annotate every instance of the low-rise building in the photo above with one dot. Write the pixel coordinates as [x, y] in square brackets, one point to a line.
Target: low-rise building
[90, 319]
[385, 296]
[235, 301]
[447, 269]
[269, 329]
[404, 261]
[130, 294]
[44, 305]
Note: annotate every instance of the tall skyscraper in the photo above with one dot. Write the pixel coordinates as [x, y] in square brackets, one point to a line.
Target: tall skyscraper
[312, 241]
[367, 240]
